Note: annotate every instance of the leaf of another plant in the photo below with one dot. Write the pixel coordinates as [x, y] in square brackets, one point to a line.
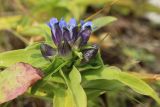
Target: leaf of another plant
[39, 30]
[113, 73]
[102, 21]
[15, 80]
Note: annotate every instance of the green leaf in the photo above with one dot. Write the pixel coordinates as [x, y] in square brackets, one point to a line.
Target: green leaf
[55, 66]
[51, 69]
[77, 90]
[15, 80]
[102, 21]
[74, 96]
[113, 73]
[63, 98]
[30, 55]
[95, 88]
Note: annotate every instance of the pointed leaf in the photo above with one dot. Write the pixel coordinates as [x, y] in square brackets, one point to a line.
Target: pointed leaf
[77, 90]
[63, 98]
[102, 21]
[74, 96]
[113, 73]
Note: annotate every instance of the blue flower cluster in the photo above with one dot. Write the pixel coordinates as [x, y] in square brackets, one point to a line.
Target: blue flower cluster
[67, 36]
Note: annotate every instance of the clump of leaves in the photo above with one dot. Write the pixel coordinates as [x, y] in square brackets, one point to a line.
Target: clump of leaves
[73, 70]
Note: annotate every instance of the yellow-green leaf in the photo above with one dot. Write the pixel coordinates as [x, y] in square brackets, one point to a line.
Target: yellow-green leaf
[102, 21]
[74, 96]
[135, 83]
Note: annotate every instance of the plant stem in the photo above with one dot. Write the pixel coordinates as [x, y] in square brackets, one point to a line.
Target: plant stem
[36, 96]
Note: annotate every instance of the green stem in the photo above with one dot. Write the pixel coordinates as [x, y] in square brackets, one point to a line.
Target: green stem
[39, 97]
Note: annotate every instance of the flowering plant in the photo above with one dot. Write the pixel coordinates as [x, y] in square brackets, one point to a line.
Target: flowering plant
[64, 68]
[69, 37]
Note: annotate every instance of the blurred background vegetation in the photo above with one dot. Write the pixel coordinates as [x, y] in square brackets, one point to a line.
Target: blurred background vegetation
[133, 44]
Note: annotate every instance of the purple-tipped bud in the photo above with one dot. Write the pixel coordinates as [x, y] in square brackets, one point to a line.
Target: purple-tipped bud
[85, 34]
[56, 31]
[86, 30]
[57, 34]
[90, 53]
[73, 28]
[67, 35]
[47, 51]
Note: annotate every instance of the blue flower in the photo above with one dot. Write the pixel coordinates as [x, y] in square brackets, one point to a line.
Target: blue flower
[64, 33]
[67, 35]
